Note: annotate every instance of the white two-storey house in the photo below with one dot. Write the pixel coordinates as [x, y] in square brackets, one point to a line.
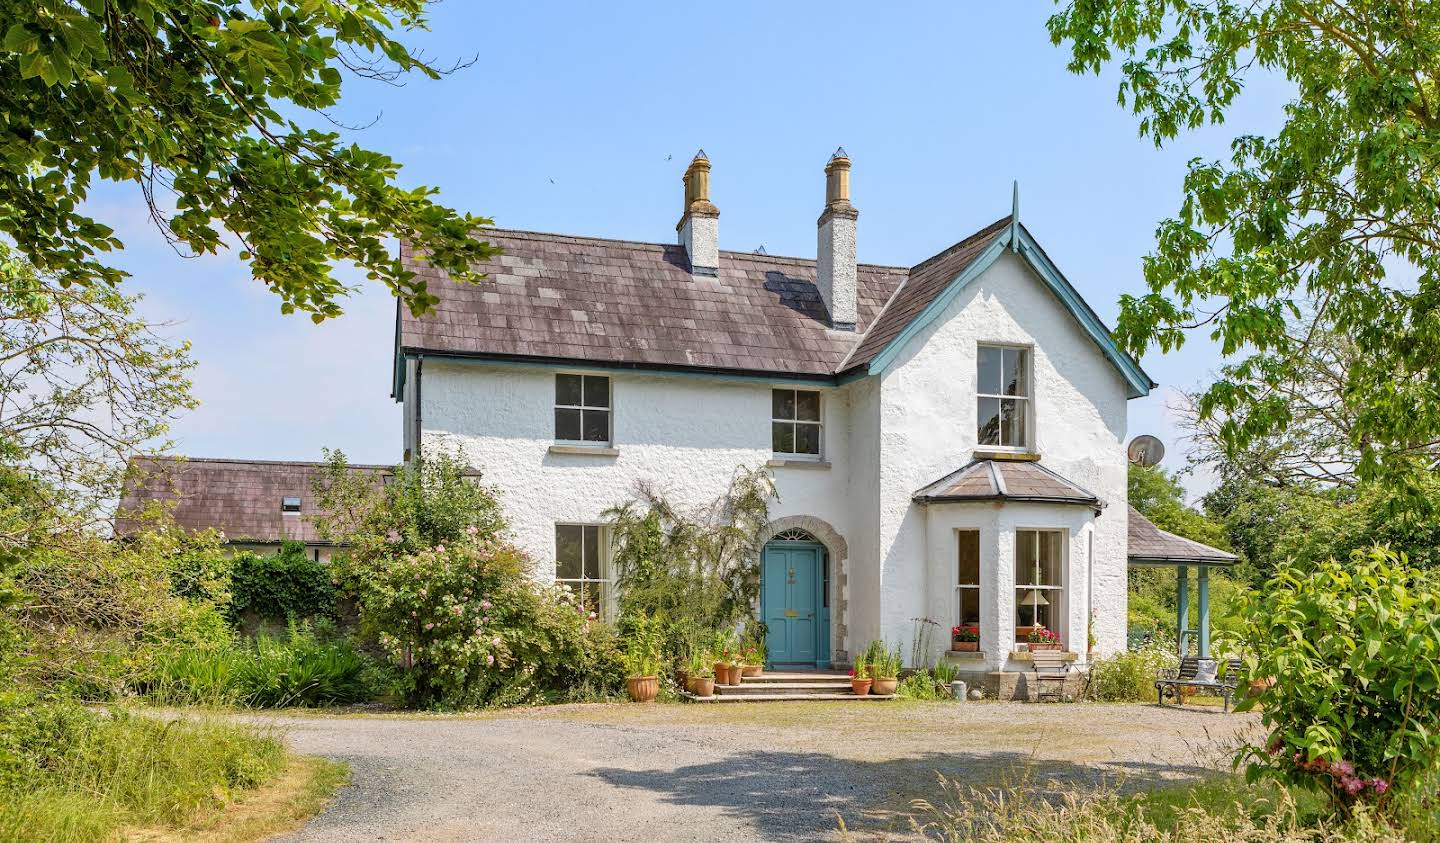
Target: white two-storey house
[947, 439]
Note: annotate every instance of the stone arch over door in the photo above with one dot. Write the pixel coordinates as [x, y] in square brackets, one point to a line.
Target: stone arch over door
[839, 554]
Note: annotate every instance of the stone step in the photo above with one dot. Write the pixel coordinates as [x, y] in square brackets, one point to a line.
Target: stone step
[785, 688]
[756, 698]
[797, 676]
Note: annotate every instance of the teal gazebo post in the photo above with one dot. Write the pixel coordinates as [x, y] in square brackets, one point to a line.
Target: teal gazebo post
[1152, 547]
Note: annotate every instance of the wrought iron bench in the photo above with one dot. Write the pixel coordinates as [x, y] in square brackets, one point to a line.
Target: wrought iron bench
[1051, 669]
[1175, 680]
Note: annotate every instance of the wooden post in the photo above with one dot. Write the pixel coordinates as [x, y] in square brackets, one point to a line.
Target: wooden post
[1182, 606]
[1204, 579]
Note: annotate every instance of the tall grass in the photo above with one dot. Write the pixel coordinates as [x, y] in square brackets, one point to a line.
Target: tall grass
[1218, 810]
[69, 774]
[1129, 676]
[299, 670]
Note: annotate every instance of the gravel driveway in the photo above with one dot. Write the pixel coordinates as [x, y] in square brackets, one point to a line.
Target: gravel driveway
[762, 772]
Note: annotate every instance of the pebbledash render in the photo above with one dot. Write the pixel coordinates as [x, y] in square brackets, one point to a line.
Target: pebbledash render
[948, 439]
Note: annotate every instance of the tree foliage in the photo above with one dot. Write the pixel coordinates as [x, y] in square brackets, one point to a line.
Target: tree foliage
[84, 384]
[206, 106]
[1297, 234]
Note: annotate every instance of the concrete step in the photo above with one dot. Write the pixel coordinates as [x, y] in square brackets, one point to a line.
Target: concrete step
[745, 698]
[797, 676]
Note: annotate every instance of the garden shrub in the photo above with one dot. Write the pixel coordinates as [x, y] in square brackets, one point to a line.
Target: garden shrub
[286, 586]
[1355, 650]
[298, 669]
[1130, 676]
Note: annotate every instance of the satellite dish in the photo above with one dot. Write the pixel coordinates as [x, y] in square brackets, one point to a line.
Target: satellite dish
[1146, 451]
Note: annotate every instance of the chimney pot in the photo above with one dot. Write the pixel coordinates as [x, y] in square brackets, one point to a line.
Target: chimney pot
[699, 226]
[835, 269]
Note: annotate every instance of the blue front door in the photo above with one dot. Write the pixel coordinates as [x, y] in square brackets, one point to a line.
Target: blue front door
[791, 603]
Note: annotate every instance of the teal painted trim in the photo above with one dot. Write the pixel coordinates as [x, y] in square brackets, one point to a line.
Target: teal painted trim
[936, 307]
[1204, 609]
[1138, 381]
[577, 366]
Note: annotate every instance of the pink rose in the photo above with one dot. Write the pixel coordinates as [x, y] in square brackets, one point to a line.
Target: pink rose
[489, 659]
[495, 642]
[472, 529]
[439, 548]
[485, 605]
[429, 626]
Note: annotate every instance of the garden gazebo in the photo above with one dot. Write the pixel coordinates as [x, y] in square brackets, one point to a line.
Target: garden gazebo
[1152, 547]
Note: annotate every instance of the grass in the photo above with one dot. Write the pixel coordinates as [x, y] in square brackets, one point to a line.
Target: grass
[71, 774]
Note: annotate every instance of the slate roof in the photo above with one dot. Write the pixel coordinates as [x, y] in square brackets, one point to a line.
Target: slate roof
[1150, 544]
[1005, 480]
[924, 283]
[613, 302]
[241, 498]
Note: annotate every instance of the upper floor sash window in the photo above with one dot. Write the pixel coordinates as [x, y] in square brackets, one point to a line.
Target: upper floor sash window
[1003, 397]
[795, 422]
[582, 409]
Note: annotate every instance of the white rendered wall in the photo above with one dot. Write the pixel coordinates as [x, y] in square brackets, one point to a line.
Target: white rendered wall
[685, 435]
[928, 430]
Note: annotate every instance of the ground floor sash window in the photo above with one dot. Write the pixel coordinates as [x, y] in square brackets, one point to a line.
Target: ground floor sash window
[1039, 587]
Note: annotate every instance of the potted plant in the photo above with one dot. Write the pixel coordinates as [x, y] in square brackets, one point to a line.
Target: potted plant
[965, 638]
[642, 660]
[754, 658]
[724, 644]
[860, 676]
[1090, 638]
[702, 680]
[885, 669]
[1041, 638]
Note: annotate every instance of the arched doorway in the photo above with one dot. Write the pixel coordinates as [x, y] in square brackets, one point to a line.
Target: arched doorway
[795, 600]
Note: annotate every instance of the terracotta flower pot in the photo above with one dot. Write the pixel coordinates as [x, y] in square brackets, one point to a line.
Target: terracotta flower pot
[1041, 645]
[642, 688]
[752, 670]
[885, 686]
[861, 687]
[702, 686]
[965, 646]
[736, 671]
[722, 673]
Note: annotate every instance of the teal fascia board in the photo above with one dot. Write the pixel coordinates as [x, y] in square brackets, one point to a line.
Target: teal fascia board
[1135, 377]
[937, 306]
[1136, 380]
[578, 366]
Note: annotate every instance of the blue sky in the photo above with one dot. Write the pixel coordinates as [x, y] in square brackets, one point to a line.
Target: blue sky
[579, 118]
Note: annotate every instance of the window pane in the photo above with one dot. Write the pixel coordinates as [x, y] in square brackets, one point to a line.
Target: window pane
[989, 370]
[969, 606]
[568, 547]
[593, 595]
[597, 391]
[969, 557]
[782, 404]
[782, 437]
[807, 439]
[567, 389]
[988, 432]
[1025, 602]
[592, 553]
[597, 425]
[567, 425]
[1012, 422]
[1025, 550]
[807, 406]
[1049, 558]
[1016, 382]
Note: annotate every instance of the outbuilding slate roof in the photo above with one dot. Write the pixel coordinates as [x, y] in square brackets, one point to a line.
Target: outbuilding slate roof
[241, 498]
[1005, 480]
[613, 302]
[1152, 545]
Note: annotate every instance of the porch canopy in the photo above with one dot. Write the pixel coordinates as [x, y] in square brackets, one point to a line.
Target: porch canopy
[1152, 547]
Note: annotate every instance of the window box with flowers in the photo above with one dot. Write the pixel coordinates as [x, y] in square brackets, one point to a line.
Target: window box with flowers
[1041, 638]
[965, 638]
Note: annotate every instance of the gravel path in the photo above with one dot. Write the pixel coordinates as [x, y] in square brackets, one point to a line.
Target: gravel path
[763, 772]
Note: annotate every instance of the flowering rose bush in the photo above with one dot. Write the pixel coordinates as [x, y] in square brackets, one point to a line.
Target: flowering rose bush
[1355, 652]
[474, 630]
